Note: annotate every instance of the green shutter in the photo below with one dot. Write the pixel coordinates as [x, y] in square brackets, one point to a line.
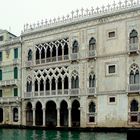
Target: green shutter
[15, 53]
[15, 73]
[0, 56]
[0, 75]
[0, 93]
[15, 92]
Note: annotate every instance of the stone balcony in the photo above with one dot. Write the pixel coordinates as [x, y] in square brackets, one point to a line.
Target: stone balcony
[134, 88]
[74, 56]
[9, 99]
[53, 59]
[91, 54]
[65, 92]
[91, 91]
[29, 63]
[9, 82]
[133, 48]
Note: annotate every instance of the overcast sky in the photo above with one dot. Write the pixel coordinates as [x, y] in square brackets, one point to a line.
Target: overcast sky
[15, 13]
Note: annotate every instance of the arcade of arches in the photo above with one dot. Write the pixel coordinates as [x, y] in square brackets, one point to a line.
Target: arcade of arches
[52, 116]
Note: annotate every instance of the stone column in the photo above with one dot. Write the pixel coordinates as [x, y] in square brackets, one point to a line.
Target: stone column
[62, 86]
[33, 116]
[43, 109]
[19, 117]
[56, 86]
[44, 88]
[50, 87]
[56, 53]
[38, 88]
[58, 117]
[69, 113]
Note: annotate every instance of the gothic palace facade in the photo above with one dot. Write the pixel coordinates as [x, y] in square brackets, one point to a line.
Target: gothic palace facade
[82, 70]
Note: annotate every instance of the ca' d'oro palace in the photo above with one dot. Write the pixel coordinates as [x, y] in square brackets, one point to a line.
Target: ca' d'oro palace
[80, 70]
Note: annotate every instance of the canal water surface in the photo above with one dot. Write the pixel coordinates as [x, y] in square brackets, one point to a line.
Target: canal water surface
[23, 134]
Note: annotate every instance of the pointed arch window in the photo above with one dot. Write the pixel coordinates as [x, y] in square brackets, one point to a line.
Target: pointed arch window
[75, 80]
[75, 47]
[29, 86]
[134, 74]
[133, 37]
[92, 44]
[134, 106]
[91, 80]
[15, 115]
[30, 55]
[92, 112]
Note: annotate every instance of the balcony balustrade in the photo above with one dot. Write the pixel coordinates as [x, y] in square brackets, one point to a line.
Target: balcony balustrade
[91, 91]
[74, 56]
[9, 99]
[133, 47]
[28, 63]
[28, 94]
[8, 82]
[52, 59]
[74, 91]
[134, 87]
[91, 53]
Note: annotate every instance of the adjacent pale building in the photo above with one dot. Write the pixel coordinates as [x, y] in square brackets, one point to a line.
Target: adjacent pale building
[78, 71]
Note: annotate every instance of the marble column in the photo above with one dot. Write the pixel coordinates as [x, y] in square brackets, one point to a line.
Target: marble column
[69, 123]
[33, 116]
[44, 111]
[58, 117]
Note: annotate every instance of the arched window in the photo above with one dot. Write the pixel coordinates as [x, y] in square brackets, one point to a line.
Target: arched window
[133, 37]
[37, 54]
[0, 74]
[15, 115]
[29, 86]
[134, 74]
[30, 55]
[75, 80]
[36, 85]
[92, 108]
[92, 44]
[75, 47]
[134, 106]
[91, 113]
[15, 73]
[91, 80]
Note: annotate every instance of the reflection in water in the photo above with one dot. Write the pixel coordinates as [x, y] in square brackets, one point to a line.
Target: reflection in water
[23, 134]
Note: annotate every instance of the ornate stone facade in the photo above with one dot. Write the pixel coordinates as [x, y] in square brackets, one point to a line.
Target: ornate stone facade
[82, 70]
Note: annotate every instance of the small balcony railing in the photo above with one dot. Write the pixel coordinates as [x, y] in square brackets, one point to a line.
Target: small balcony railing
[74, 56]
[91, 53]
[133, 47]
[28, 94]
[134, 87]
[91, 91]
[9, 99]
[74, 91]
[8, 82]
[29, 63]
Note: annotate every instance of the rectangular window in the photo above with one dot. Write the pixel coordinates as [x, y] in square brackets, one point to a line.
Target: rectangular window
[111, 34]
[0, 56]
[0, 93]
[15, 92]
[111, 69]
[91, 119]
[15, 53]
[1, 38]
[112, 99]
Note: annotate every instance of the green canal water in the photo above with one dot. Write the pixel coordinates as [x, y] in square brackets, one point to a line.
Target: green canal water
[23, 134]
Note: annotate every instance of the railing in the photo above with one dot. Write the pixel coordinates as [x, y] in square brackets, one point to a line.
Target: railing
[91, 53]
[16, 61]
[133, 47]
[8, 82]
[9, 99]
[74, 56]
[91, 90]
[134, 87]
[28, 94]
[52, 59]
[29, 63]
[134, 116]
[74, 91]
